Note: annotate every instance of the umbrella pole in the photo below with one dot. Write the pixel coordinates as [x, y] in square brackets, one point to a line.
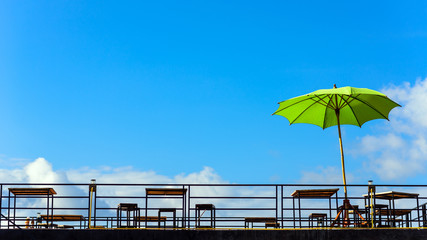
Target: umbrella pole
[342, 158]
[346, 204]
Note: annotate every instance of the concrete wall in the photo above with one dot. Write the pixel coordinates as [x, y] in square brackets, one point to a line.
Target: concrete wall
[333, 234]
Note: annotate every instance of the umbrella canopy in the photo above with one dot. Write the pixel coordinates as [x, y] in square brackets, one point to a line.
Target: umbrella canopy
[337, 106]
[355, 106]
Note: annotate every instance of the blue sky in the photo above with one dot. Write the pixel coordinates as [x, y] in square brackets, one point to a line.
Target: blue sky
[173, 87]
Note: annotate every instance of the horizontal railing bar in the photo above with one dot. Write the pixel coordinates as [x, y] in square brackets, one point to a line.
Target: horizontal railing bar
[211, 185]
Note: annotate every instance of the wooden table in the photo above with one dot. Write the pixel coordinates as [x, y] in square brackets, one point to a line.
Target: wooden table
[313, 194]
[391, 196]
[47, 193]
[166, 192]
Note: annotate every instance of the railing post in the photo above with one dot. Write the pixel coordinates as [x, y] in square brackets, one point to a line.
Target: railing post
[88, 209]
[47, 211]
[293, 211]
[1, 205]
[8, 211]
[94, 209]
[189, 205]
[424, 213]
[281, 204]
[418, 212]
[277, 203]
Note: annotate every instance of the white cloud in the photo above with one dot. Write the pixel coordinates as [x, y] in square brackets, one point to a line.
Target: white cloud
[413, 99]
[325, 175]
[400, 151]
[370, 144]
[40, 171]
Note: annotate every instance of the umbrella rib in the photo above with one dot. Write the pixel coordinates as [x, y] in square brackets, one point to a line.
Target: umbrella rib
[346, 101]
[326, 109]
[339, 106]
[348, 104]
[315, 102]
[351, 98]
[369, 105]
[311, 98]
[290, 105]
[326, 104]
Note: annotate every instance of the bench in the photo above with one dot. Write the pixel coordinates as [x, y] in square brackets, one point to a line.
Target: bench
[272, 224]
[46, 225]
[151, 219]
[64, 218]
[269, 221]
[65, 226]
[97, 227]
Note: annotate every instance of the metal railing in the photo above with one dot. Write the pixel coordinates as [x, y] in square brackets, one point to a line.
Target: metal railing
[219, 206]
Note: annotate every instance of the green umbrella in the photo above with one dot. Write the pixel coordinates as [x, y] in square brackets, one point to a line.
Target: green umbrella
[337, 106]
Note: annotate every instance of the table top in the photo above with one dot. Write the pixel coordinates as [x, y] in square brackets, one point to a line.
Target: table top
[314, 193]
[317, 215]
[32, 191]
[63, 217]
[167, 209]
[165, 191]
[205, 206]
[127, 206]
[393, 195]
